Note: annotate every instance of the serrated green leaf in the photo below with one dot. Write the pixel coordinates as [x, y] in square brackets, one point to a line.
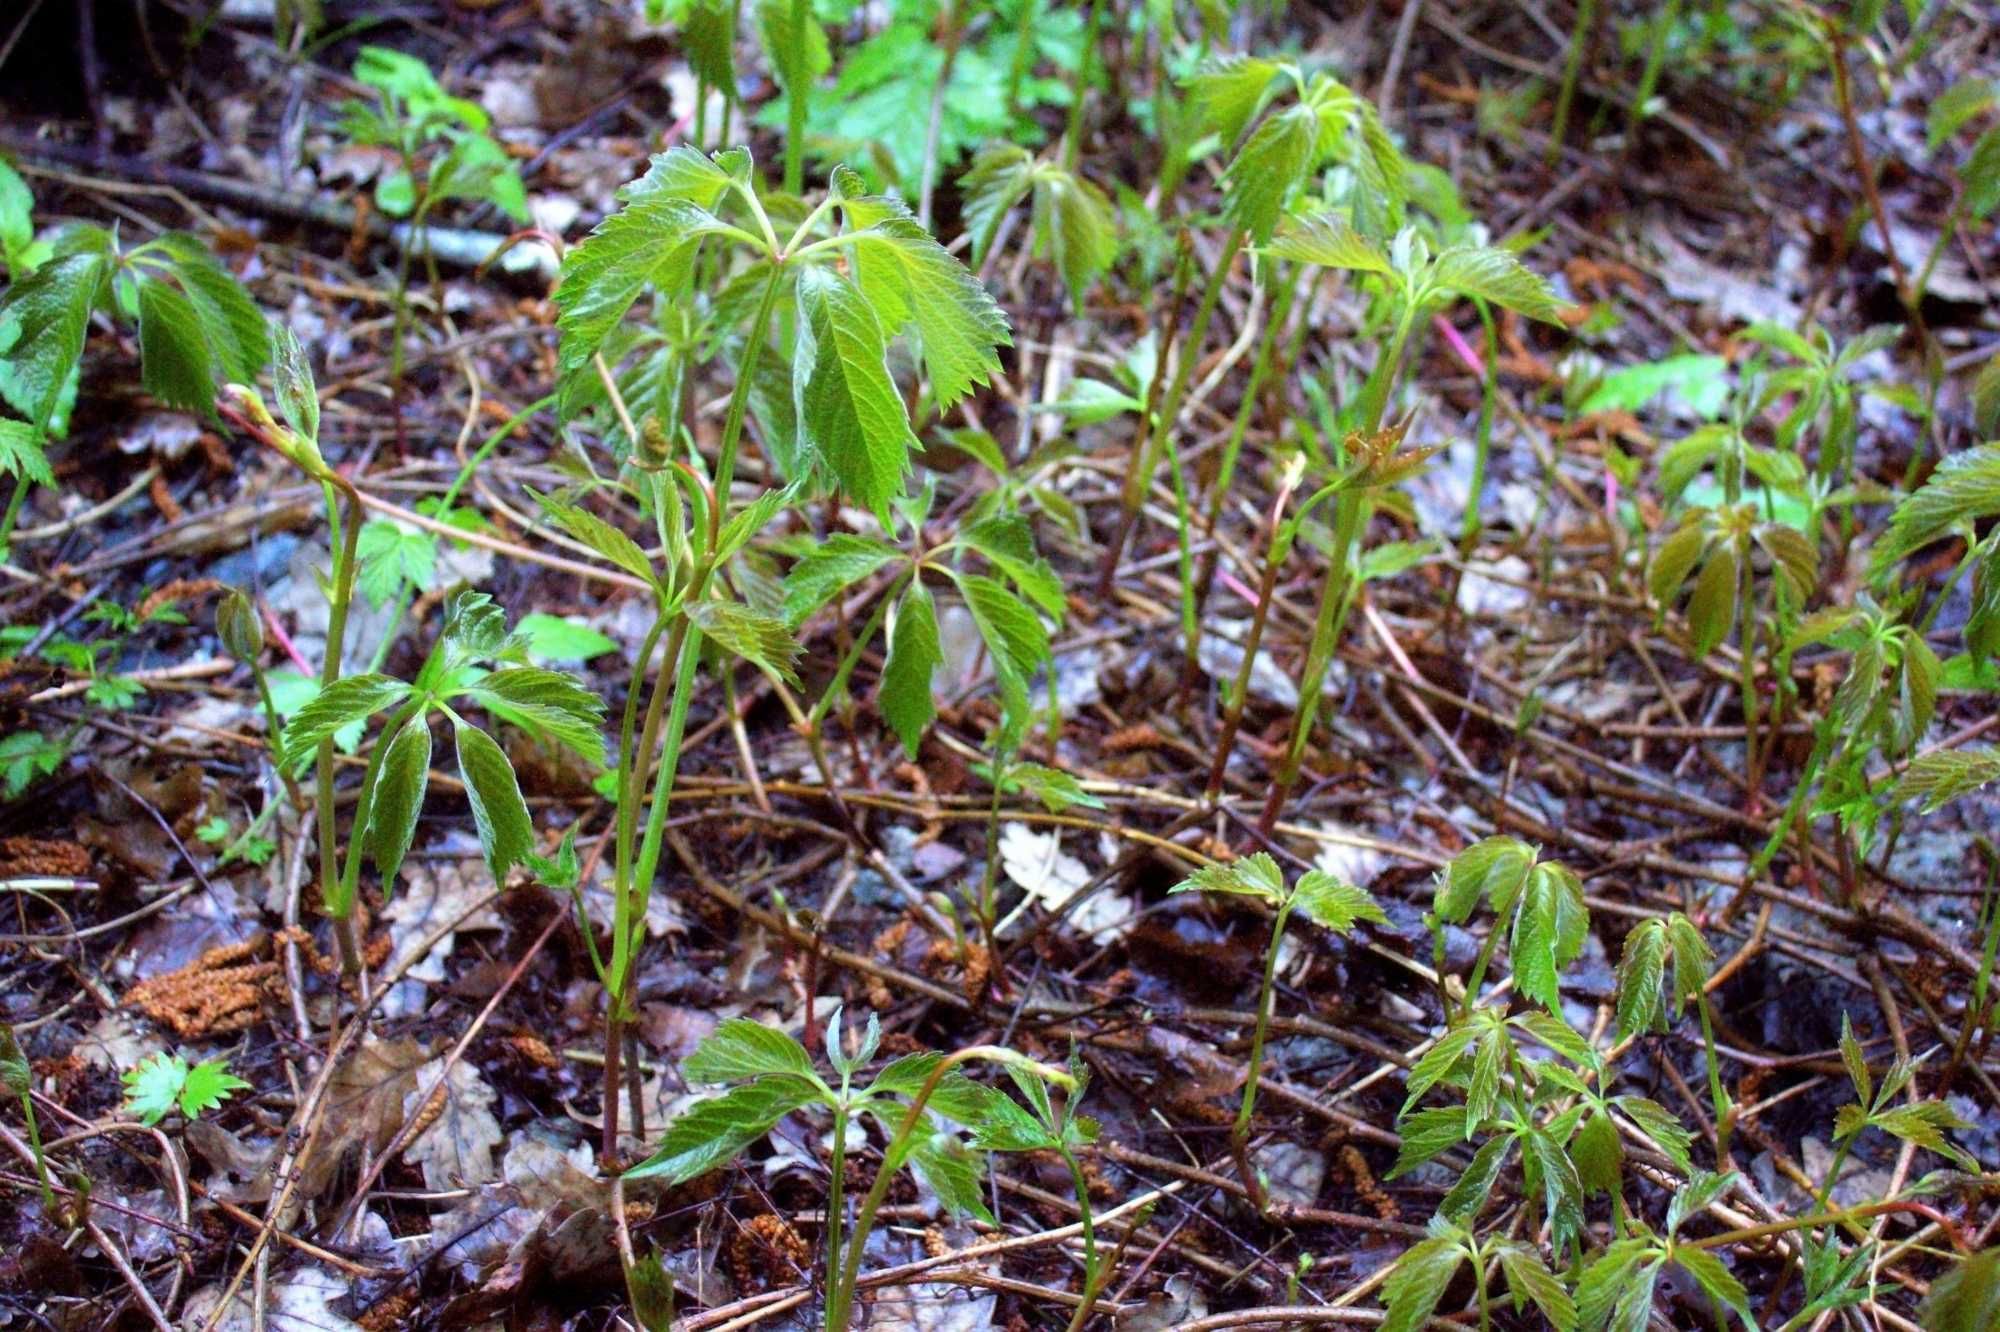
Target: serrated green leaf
[1529, 1280]
[1550, 1029]
[43, 319]
[153, 1087]
[1438, 1061]
[755, 636]
[1659, 1123]
[1228, 90]
[1598, 1155]
[915, 284]
[391, 555]
[712, 1132]
[1412, 1292]
[1964, 488]
[207, 1085]
[1640, 972]
[551, 704]
[1016, 642]
[399, 797]
[1079, 229]
[1254, 875]
[1966, 1298]
[1334, 904]
[915, 654]
[848, 408]
[708, 35]
[174, 361]
[1493, 868]
[608, 541]
[1009, 1128]
[1498, 278]
[739, 1050]
[1856, 1062]
[651, 241]
[950, 1168]
[798, 53]
[651, 1292]
[229, 321]
[997, 180]
[1006, 540]
[1489, 1062]
[1925, 1123]
[1610, 1281]
[1472, 1190]
[1957, 106]
[506, 835]
[1273, 161]
[830, 568]
[1981, 174]
[351, 698]
[1327, 240]
[21, 453]
[1562, 1189]
[1056, 789]
[1936, 780]
[1712, 605]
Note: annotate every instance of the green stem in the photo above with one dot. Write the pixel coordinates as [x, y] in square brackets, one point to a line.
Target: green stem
[1485, 1295]
[836, 1188]
[340, 597]
[1093, 1275]
[1246, 1110]
[13, 514]
[1482, 444]
[746, 375]
[1579, 40]
[1746, 676]
[795, 107]
[1073, 127]
[1716, 1095]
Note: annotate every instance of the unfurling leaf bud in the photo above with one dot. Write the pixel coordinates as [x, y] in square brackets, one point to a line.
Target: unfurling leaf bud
[651, 452]
[240, 628]
[249, 411]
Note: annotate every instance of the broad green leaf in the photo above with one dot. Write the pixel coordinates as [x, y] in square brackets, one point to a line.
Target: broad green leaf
[1621, 1277]
[1562, 1190]
[1701, 382]
[683, 173]
[153, 1087]
[1557, 1035]
[399, 797]
[1334, 904]
[477, 168]
[708, 35]
[711, 1132]
[1529, 1280]
[1692, 958]
[914, 657]
[1598, 1155]
[755, 636]
[351, 698]
[1254, 875]
[1009, 1128]
[1418, 1282]
[1492, 868]
[1981, 174]
[739, 1050]
[43, 318]
[1498, 278]
[174, 361]
[830, 568]
[1327, 240]
[1702, 1188]
[915, 284]
[207, 1085]
[1489, 1063]
[506, 835]
[1964, 488]
[1006, 540]
[549, 703]
[558, 638]
[848, 407]
[1274, 159]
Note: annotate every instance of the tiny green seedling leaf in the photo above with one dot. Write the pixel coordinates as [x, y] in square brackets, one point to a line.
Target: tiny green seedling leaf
[164, 1083]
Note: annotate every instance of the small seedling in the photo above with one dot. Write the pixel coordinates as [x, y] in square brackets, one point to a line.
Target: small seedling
[163, 1083]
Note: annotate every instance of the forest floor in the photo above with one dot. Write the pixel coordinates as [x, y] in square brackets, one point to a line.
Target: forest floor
[1513, 681]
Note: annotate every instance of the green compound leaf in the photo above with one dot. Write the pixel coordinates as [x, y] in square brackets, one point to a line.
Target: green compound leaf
[553, 704]
[1254, 875]
[1418, 1282]
[714, 1131]
[915, 284]
[43, 318]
